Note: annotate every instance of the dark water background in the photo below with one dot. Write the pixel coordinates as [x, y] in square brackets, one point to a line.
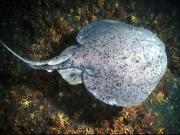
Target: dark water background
[39, 102]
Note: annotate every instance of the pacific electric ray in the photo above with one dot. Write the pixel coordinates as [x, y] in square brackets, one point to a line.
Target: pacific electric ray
[119, 64]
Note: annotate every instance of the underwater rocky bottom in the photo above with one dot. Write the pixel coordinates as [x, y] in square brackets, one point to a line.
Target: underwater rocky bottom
[34, 101]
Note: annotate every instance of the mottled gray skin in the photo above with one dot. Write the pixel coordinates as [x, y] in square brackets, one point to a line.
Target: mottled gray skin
[118, 63]
[130, 61]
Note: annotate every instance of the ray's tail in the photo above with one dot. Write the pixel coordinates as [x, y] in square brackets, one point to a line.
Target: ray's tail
[41, 64]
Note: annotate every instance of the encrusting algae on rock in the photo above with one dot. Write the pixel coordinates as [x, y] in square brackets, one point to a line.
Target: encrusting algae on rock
[39, 31]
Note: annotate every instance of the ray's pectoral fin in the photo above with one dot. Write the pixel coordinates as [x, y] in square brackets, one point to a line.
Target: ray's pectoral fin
[100, 87]
[72, 75]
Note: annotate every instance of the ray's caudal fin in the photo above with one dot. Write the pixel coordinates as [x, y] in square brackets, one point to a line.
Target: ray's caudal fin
[33, 64]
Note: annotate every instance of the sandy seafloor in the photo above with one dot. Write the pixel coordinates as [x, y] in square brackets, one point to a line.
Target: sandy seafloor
[33, 101]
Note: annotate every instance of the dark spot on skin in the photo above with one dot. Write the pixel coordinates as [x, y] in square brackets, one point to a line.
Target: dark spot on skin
[118, 84]
[123, 58]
